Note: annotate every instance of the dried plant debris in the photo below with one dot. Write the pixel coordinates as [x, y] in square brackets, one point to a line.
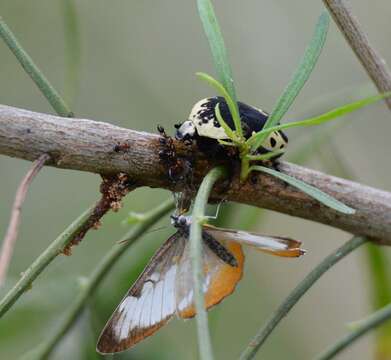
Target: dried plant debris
[114, 189]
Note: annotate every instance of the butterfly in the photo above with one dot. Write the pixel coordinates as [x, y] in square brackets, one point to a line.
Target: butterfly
[165, 287]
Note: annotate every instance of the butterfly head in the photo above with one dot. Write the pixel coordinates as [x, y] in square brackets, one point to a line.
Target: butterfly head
[180, 221]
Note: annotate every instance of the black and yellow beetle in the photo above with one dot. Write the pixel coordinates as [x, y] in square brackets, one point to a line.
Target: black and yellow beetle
[203, 127]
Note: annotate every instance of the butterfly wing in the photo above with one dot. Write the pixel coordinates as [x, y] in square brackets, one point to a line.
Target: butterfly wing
[220, 278]
[149, 304]
[279, 246]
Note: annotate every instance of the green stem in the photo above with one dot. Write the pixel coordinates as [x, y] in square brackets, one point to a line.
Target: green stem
[43, 260]
[44, 350]
[375, 320]
[380, 289]
[201, 200]
[297, 293]
[33, 71]
[72, 49]
[244, 168]
[381, 282]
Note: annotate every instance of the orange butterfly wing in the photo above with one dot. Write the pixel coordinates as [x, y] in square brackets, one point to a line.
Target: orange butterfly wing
[220, 278]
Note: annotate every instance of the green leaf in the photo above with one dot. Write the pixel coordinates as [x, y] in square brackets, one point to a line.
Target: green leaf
[300, 77]
[266, 156]
[308, 189]
[224, 125]
[232, 105]
[328, 116]
[217, 46]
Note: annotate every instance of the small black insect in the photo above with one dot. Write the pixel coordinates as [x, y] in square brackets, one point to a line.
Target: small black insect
[179, 168]
[121, 147]
[203, 127]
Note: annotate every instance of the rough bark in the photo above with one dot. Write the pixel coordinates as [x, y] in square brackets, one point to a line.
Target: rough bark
[88, 145]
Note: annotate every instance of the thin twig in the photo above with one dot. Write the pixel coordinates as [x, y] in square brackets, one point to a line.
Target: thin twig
[113, 189]
[95, 279]
[43, 260]
[13, 226]
[89, 146]
[198, 217]
[370, 59]
[33, 71]
[375, 320]
[297, 293]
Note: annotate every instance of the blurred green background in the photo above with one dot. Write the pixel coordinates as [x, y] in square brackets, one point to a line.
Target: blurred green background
[133, 64]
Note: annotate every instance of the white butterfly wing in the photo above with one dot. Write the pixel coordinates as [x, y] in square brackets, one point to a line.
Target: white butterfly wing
[164, 288]
[279, 246]
[149, 303]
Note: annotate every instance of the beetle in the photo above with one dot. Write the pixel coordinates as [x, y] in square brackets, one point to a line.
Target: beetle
[203, 127]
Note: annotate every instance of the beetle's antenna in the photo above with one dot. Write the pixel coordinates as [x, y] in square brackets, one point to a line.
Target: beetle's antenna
[216, 215]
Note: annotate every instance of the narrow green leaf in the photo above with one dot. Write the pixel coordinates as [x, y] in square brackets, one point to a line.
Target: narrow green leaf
[308, 189]
[226, 143]
[232, 105]
[301, 75]
[224, 125]
[266, 156]
[320, 119]
[217, 46]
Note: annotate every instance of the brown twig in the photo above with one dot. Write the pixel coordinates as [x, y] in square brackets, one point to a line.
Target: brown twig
[13, 226]
[113, 189]
[90, 146]
[370, 59]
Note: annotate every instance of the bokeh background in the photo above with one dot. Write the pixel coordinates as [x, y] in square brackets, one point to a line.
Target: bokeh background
[133, 64]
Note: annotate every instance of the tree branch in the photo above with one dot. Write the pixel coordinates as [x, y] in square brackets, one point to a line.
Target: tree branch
[88, 145]
[373, 63]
